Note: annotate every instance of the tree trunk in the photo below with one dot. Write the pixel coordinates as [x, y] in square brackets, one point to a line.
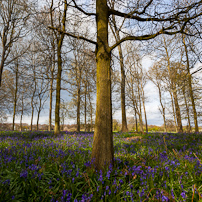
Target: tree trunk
[32, 105]
[143, 102]
[91, 113]
[136, 125]
[58, 88]
[173, 108]
[174, 91]
[187, 110]
[177, 110]
[85, 110]
[103, 150]
[2, 57]
[15, 96]
[39, 111]
[51, 98]
[190, 87]
[123, 100]
[163, 109]
[123, 105]
[59, 73]
[22, 110]
[140, 110]
[78, 107]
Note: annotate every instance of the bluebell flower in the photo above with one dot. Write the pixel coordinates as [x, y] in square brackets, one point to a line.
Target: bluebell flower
[24, 174]
[121, 181]
[110, 192]
[183, 194]
[165, 198]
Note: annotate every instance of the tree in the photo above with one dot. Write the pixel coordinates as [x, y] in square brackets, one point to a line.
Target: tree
[190, 83]
[13, 22]
[155, 74]
[59, 39]
[116, 33]
[172, 21]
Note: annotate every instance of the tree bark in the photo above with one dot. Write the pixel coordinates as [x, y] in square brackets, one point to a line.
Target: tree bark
[51, 86]
[187, 109]
[143, 102]
[163, 108]
[173, 108]
[123, 100]
[140, 109]
[78, 106]
[38, 115]
[85, 103]
[22, 111]
[103, 149]
[15, 96]
[59, 73]
[190, 87]
[2, 63]
[50, 107]
[32, 99]
[136, 125]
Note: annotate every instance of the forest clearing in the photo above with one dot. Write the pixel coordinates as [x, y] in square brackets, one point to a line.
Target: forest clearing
[39, 166]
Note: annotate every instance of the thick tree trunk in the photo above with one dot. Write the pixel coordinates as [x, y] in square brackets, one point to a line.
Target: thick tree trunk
[103, 150]
[15, 96]
[190, 88]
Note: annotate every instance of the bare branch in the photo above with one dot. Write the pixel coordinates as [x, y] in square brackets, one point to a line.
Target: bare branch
[80, 9]
[151, 36]
[74, 36]
[162, 19]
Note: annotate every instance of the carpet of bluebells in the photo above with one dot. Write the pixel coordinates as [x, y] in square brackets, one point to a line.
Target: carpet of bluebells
[38, 166]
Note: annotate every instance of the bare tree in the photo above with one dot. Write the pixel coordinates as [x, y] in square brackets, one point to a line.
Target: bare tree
[155, 74]
[13, 22]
